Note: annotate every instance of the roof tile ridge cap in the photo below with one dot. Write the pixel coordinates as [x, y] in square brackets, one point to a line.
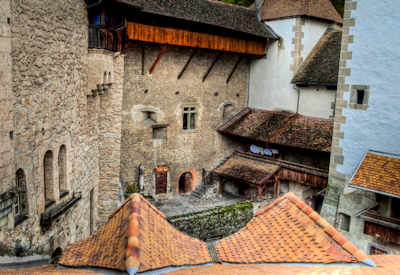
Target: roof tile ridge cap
[327, 34]
[120, 207]
[338, 237]
[234, 119]
[271, 205]
[155, 209]
[132, 254]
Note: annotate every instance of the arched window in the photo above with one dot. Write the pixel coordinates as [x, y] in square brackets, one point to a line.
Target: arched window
[48, 177]
[62, 171]
[185, 183]
[21, 205]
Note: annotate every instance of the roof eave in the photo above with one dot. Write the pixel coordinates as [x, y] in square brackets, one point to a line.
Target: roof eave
[314, 83]
[374, 191]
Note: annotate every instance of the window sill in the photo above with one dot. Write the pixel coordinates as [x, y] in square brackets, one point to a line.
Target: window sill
[19, 220]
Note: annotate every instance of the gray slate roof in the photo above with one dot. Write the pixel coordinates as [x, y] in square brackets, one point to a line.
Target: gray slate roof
[214, 13]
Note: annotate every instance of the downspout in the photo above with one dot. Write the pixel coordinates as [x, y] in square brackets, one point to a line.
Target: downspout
[298, 98]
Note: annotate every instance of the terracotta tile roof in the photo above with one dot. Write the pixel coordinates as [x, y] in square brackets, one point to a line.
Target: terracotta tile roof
[288, 231]
[45, 269]
[258, 269]
[246, 169]
[378, 173]
[322, 65]
[281, 128]
[258, 170]
[140, 233]
[322, 9]
[207, 12]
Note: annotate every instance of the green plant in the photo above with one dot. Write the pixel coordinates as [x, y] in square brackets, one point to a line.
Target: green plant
[132, 188]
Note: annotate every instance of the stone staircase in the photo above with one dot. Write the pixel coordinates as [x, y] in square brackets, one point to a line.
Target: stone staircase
[199, 192]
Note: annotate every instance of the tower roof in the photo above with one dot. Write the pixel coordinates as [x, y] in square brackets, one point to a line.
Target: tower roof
[277, 9]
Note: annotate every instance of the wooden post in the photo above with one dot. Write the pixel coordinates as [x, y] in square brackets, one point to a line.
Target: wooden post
[277, 188]
[260, 189]
[221, 186]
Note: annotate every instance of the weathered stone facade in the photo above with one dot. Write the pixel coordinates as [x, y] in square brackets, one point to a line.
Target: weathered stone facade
[159, 99]
[49, 115]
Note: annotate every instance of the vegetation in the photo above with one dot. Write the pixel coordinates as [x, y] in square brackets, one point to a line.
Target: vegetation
[339, 4]
[132, 188]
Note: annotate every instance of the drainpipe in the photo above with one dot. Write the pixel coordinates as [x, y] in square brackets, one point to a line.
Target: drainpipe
[298, 98]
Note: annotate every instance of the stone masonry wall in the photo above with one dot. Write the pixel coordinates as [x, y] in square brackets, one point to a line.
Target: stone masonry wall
[215, 223]
[6, 98]
[49, 85]
[162, 94]
[337, 180]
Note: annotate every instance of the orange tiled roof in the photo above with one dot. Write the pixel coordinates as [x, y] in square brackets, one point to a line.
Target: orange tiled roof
[47, 270]
[258, 269]
[140, 233]
[288, 231]
[323, 9]
[378, 173]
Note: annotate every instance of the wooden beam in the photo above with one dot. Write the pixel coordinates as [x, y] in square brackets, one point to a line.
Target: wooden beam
[187, 64]
[160, 54]
[212, 66]
[234, 69]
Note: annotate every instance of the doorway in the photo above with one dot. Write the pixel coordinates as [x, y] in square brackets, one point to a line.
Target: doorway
[185, 183]
[161, 180]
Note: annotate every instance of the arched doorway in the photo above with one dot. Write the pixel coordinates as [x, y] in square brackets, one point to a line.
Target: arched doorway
[185, 183]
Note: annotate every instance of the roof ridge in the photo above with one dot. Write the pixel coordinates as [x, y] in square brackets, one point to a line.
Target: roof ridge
[338, 237]
[132, 253]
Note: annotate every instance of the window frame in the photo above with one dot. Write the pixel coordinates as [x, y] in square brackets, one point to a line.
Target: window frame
[191, 114]
[341, 222]
[355, 97]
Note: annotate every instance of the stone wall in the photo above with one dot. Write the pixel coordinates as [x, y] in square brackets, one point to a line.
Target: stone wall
[164, 96]
[215, 223]
[49, 85]
[6, 99]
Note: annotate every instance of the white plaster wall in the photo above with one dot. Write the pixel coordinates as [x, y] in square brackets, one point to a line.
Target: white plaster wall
[313, 31]
[316, 101]
[270, 77]
[375, 62]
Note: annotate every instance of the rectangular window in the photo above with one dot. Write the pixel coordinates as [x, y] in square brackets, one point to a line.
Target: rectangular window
[344, 222]
[160, 132]
[360, 96]
[189, 118]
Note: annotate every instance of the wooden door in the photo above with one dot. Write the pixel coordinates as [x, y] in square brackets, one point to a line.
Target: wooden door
[161, 180]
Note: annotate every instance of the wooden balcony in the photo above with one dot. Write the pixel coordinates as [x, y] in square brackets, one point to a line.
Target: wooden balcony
[382, 228]
[103, 38]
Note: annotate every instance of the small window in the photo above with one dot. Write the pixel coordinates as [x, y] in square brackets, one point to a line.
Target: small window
[62, 171]
[189, 118]
[344, 222]
[359, 97]
[228, 111]
[48, 178]
[160, 132]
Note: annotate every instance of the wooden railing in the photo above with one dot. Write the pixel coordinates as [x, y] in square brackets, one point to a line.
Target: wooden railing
[381, 227]
[102, 38]
[177, 37]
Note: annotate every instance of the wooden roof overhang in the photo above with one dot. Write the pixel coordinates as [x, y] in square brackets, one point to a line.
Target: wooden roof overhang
[186, 38]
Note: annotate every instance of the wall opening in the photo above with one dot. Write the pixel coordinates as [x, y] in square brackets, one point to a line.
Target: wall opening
[62, 171]
[360, 96]
[185, 183]
[48, 178]
[21, 204]
[344, 222]
[189, 118]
